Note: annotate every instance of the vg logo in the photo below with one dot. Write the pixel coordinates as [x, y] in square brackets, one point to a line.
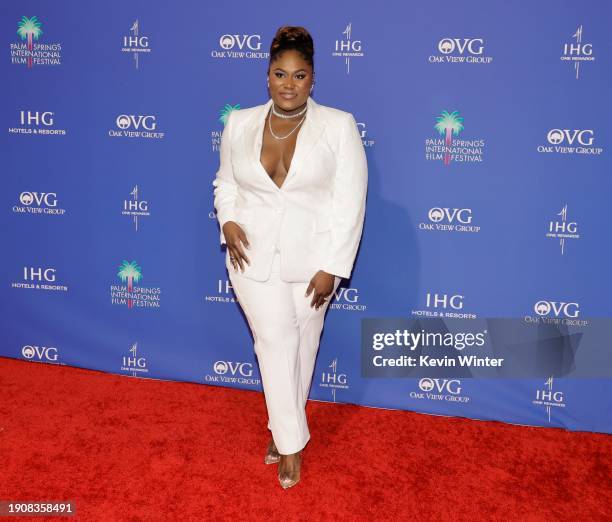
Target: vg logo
[233, 368]
[462, 215]
[557, 309]
[473, 46]
[40, 353]
[49, 199]
[231, 41]
[451, 386]
[582, 137]
[130, 121]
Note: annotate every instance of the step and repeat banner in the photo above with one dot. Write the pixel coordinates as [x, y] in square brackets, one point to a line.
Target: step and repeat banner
[484, 125]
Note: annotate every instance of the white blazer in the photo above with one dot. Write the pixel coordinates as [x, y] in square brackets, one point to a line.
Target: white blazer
[316, 218]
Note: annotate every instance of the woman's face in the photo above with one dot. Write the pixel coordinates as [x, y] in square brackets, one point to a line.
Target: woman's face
[290, 80]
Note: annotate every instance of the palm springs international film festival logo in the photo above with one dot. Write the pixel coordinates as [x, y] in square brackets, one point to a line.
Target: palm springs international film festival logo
[445, 149]
[135, 43]
[562, 229]
[570, 141]
[136, 207]
[27, 50]
[239, 46]
[348, 47]
[215, 135]
[460, 50]
[577, 51]
[334, 380]
[130, 294]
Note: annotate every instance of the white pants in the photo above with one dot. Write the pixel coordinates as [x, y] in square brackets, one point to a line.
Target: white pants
[286, 332]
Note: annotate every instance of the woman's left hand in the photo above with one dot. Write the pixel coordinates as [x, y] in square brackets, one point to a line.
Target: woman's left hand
[323, 285]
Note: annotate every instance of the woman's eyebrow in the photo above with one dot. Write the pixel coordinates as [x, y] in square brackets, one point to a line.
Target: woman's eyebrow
[298, 70]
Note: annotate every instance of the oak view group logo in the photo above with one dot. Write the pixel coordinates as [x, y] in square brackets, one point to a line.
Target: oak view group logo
[133, 296]
[570, 141]
[240, 46]
[557, 312]
[138, 126]
[447, 149]
[365, 139]
[460, 50]
[445, 219]
[448, 390]
[38, 203]
[27, 51]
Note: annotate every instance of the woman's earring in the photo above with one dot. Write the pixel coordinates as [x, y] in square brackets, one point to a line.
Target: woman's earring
[268, 80]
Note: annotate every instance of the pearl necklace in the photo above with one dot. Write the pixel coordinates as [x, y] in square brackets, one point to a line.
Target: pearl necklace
[290, 133]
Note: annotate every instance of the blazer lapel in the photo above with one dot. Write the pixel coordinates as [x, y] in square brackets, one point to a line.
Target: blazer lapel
[308, 135]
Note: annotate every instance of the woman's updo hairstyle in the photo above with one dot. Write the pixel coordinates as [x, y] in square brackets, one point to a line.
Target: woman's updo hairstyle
[292, 37]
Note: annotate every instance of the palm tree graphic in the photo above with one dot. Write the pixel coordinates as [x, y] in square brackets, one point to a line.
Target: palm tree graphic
[29, 28]
[449, 124]
[132, 272]
[224, 113]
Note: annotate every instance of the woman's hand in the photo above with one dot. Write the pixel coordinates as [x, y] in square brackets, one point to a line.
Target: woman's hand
[234, 239]
[323, 285]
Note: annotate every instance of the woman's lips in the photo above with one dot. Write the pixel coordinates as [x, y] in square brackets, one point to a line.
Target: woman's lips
[287, 95]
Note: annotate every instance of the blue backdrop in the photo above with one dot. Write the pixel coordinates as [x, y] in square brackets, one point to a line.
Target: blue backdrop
[489, 180]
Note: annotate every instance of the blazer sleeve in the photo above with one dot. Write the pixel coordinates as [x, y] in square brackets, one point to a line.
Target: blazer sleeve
[225, 190]
[348, 200]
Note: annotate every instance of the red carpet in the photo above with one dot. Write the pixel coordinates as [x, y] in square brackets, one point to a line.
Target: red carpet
[135, 449]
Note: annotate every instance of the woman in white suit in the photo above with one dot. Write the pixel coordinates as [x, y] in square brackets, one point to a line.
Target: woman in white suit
[290, 197]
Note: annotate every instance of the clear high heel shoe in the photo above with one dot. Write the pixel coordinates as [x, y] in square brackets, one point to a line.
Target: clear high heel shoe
[291, 478]
[272, 454]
